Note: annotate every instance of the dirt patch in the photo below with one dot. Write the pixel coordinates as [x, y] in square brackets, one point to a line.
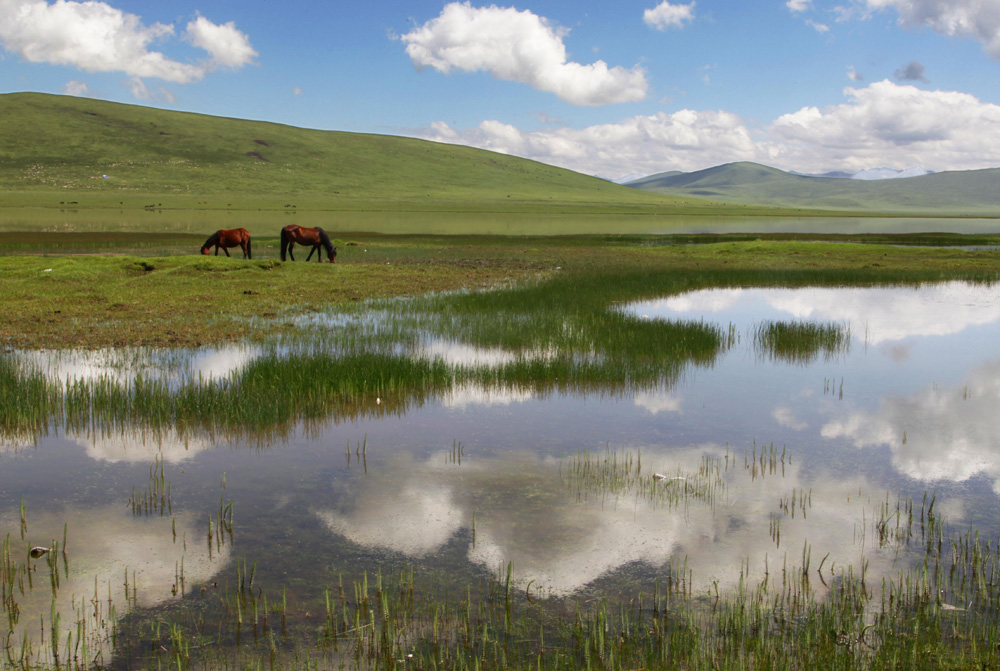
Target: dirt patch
[262, 143]
[256, 155]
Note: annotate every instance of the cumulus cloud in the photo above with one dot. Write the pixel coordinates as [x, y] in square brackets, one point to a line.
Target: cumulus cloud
[518, 46]
[973, 19]
[96, 37]
[665, 15]
[891, 123]
[684, 140]
[883, 124]
[228, 46]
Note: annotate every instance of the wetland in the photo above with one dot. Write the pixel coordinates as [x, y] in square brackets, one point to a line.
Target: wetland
[617, 451]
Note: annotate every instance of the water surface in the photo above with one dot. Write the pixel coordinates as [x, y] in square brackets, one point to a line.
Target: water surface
[472, 479]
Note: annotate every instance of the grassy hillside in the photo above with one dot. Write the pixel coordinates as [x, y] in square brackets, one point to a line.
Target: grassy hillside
[975, 192]
[92, 153]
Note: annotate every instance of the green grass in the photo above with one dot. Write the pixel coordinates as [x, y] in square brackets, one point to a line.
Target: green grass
[97, 300]
[57, 151]
[801, 342]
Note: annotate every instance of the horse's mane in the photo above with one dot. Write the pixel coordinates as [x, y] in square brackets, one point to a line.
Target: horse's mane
[212, 239]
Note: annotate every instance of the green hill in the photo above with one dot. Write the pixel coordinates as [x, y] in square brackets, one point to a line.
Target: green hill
[92, 153]
[974, 192]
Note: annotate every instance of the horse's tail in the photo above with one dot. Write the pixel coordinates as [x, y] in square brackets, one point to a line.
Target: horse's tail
[284, 243]
[249, 249]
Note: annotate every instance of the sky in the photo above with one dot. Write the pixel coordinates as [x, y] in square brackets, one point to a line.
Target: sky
[633, 87]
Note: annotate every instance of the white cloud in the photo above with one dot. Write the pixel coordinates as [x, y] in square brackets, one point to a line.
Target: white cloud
[137, 87]
[888, 123]
[518, 46]
[96, 37]
[228, 46]
[684, 140]
[76, 88]
[883, 124]
[665, 15]
[973, 19]
[799, 5]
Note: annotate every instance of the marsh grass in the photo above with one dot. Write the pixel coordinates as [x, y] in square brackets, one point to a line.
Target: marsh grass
[27, 401]
[399, 618]
[801, 342]
[619, 476]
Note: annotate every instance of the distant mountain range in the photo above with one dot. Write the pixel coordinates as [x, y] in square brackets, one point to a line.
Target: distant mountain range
[972, 192]
[872, 173]
[867, 174]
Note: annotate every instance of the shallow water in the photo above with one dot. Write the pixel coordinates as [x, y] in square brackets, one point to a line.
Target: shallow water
[477, 478]
[452, 223]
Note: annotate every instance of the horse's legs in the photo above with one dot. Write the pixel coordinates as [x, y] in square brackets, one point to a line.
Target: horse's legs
[226, 251]
[290, 255]
[311, 253]
[216, 250]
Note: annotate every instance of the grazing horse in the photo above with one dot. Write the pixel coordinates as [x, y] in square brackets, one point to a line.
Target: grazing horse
[229, 238]
[313, 237]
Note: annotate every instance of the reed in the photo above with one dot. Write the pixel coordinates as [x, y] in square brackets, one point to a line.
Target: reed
[801, 342]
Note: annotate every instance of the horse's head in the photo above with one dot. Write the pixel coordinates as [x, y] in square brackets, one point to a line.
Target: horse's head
[333, 255]
[205, 250]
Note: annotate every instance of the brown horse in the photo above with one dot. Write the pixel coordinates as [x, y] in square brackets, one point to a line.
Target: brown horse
[313, 237]
[229, 238]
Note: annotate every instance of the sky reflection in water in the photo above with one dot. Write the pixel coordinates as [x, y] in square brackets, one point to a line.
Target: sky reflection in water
[909, 407]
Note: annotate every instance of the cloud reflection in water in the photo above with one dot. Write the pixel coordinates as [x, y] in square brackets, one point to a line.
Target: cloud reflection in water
[103, 546]
[527, 516]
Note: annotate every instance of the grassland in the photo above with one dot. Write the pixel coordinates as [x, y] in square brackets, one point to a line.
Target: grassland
[167, 296]
[76, 152]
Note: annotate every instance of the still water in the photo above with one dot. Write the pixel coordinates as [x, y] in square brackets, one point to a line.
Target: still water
[268, 223]
[477, 478]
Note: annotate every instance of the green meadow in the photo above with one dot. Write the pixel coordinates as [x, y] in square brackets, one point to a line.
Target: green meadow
[62, 152]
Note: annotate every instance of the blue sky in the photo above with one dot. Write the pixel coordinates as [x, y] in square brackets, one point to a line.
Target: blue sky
[602, 88]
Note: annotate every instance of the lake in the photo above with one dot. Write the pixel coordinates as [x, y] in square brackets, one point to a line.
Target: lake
[757, 460]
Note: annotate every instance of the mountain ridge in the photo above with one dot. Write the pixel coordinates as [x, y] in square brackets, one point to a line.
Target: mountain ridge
[972, 192]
